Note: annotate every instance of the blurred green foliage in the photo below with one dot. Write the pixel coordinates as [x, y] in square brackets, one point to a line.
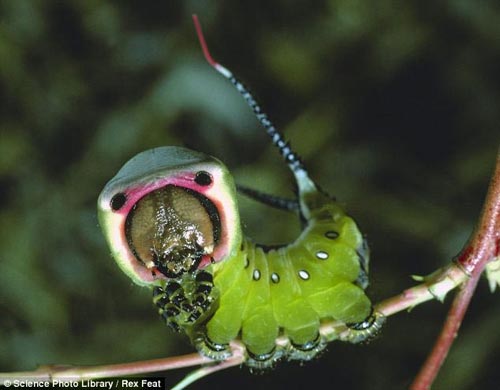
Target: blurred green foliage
[393, 105]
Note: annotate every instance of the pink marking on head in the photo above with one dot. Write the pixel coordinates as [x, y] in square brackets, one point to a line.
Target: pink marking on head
[135, 193]
[203, 44]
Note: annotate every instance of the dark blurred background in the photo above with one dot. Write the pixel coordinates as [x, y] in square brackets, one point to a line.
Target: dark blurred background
[393, 105]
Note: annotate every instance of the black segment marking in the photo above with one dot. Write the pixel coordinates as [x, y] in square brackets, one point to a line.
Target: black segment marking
[204, 289]
[263, 356]
[174, 326]
[365, 324]
[171, 288]
[204, 277]
[292, 159]
[162, 302]
[171, 311]
[309, 346]
[157, 291]
[216, 347]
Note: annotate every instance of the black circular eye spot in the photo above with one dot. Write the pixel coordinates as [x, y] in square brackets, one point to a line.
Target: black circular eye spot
[203, 178]
[118, 201]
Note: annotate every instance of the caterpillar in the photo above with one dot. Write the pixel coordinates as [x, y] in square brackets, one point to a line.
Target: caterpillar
[170, 217]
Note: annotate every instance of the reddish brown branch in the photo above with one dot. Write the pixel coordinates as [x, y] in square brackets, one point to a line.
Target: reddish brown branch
[481, 248]
[448, 334]
[485, 242]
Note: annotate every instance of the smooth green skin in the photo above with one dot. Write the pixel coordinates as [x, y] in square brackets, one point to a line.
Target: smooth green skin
[260, 309]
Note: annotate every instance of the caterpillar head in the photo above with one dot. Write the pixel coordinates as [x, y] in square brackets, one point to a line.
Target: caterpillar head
[169, 211]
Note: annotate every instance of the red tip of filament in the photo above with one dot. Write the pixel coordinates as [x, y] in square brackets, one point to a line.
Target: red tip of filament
[203, 44]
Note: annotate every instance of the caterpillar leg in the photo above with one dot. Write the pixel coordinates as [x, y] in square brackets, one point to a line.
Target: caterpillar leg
[169, 306]
[211, 349]
[364, 330]
[306, 351]
[291, 351]
[265, 361]
[179, 305]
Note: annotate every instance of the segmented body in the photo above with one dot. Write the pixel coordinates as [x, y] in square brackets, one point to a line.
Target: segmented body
[259, 294]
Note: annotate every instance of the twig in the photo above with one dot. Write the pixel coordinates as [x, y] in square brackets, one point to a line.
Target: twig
[436, 286]
[481, 248]
[78, 373]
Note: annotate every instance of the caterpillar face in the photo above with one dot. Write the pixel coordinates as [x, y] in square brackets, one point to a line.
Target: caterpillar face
[167, 212]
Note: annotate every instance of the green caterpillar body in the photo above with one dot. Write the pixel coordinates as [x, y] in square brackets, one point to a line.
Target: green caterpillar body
[290, 290]
[291, 287]
[250, 292]
[171, 219]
